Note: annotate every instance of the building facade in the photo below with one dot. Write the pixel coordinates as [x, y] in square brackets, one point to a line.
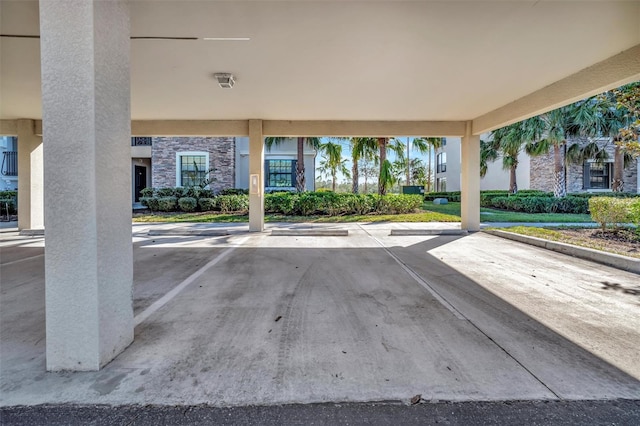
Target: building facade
[9, 165]
[448, 170]
[587, 176]
[223, 161]
[537, 172]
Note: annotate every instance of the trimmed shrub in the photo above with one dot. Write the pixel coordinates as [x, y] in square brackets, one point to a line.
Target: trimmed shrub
[398, 204]
[610, 210]
[167, 204]
[147, 192]
[187, 204]
[8, 205]
[234, 191]
[306, 204]
[361, 204]
[453, 196]
[634, 212]
[281, 202]
[232, 203]
[151, 203]
[544, 204]
[165, 192]
[207, 204]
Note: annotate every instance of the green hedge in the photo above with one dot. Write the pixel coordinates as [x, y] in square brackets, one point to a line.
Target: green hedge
[336, 204]
[533, 204]
[187, 204]
[534, 201]
[286, 203]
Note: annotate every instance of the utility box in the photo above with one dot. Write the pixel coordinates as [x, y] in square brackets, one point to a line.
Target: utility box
[413, 189]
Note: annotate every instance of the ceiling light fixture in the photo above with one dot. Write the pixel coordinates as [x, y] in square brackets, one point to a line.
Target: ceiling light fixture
[225, 80]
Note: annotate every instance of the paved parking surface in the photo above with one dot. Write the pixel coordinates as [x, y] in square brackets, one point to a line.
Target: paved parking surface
[249, 319]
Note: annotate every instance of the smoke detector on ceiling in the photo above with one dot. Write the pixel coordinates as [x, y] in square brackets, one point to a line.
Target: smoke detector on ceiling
[225, 80]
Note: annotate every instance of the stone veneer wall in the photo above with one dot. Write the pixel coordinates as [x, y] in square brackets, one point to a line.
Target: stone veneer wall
[221, 158]
[542, 173]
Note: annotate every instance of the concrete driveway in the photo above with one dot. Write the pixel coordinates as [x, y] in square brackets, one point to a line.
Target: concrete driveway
[243, 319]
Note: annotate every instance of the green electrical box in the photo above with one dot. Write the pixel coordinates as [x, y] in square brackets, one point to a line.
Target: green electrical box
[413, 189]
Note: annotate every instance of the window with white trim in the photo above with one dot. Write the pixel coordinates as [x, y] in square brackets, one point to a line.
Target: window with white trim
[192, 168]
[441, 162]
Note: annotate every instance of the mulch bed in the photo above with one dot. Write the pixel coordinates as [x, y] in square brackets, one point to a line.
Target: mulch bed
[621, 241]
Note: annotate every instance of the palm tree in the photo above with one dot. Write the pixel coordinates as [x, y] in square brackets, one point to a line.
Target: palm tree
[601, 116]
[302, 142]
[508, 142]
[423, 145]
[385, 178]
[557, 126]
[332, 162]
[361, 148]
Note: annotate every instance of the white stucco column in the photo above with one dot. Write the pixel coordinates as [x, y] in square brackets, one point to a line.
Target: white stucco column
[30, 179]
[87, 158]
[470, 181]
[256, 176]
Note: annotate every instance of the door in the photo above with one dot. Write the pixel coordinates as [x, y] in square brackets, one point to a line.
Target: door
[141, 180]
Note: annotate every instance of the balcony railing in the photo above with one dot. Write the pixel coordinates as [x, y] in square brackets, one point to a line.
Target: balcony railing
[9, 163]
[140, 141]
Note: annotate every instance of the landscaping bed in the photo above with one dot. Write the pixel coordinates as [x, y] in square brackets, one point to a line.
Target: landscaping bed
[621, 241]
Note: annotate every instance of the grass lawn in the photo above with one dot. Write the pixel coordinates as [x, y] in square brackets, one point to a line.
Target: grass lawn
[492, 215]
[209, 217]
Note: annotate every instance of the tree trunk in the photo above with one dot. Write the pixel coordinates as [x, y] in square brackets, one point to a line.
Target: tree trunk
[333, 182]
[355, 174]
[617, 185]
[513, 184]
[300, 178]
[559, 187]
[366, 177]
[382, 186]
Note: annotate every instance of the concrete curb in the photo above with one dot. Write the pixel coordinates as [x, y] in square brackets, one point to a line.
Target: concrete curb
[615, 260]
[418, 232]
[32, 233]
[310, 232]
[187, 232]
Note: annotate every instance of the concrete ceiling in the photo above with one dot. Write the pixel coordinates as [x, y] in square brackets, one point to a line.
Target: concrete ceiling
[337, 60]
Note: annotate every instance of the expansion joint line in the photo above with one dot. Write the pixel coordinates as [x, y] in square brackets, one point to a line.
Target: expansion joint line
[141, 317]
[430, 288]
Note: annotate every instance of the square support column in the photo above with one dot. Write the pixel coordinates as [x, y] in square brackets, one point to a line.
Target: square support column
[256, 176]
[87, 158]
[470, 181]
[30, 177]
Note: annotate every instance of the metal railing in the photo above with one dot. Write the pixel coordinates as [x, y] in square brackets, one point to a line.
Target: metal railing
[9, 163]
[140, 141]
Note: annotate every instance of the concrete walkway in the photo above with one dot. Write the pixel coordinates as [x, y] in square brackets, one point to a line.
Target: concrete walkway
[241, 319]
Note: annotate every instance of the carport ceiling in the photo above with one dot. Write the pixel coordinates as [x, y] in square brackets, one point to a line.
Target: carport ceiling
[338, 60]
